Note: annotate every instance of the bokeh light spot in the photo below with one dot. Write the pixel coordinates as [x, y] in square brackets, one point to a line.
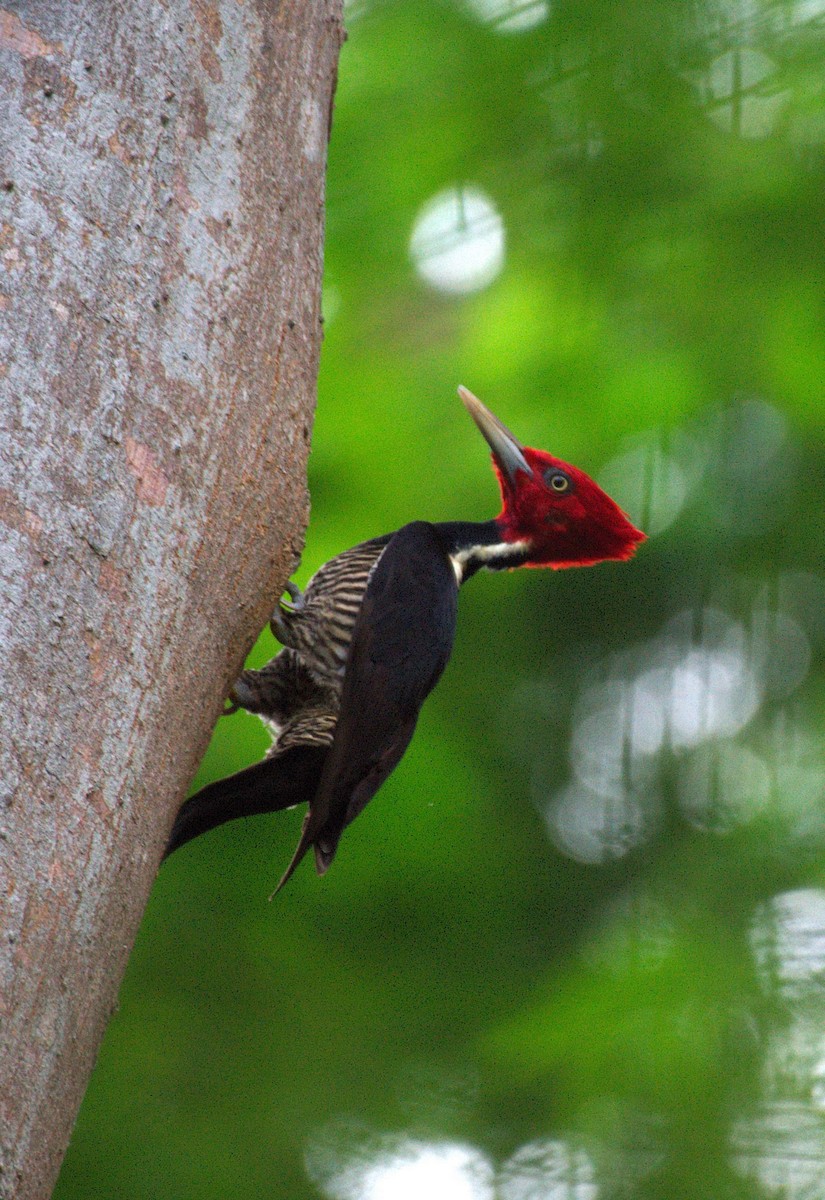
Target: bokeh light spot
[803, 594]
[780, 649]
[416, 1170]
[798, 772]
[353, 9]
[788, 941]
[457, 242]
[794, 1061]
[738, 96]
[388, 1168]
[510, 16]
[648, 484]
[596, 827]
[548, 1170]
[723, 786]
[804, 11]
[682, 697]
[783, 1148]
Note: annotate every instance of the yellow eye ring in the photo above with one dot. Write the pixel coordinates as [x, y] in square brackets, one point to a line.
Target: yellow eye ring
[558, 483]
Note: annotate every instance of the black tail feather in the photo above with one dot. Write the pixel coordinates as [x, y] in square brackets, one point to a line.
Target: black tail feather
[268, 786]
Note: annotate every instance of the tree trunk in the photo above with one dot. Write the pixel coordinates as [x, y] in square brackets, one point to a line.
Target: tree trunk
[161, 223]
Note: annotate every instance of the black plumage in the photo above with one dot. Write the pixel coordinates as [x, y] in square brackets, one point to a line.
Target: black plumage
[400, 644]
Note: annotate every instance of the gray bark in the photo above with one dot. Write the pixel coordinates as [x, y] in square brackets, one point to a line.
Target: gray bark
[161, 224]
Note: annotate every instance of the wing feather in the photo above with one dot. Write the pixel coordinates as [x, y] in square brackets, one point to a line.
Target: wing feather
[401, 643]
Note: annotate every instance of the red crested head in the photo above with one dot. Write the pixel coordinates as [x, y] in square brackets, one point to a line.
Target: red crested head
[560, 516]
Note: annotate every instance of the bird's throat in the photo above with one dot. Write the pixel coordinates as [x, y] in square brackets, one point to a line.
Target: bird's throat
[472, 546]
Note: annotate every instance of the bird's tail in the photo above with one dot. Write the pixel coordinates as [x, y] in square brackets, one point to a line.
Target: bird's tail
[267, 786]
[323, 836]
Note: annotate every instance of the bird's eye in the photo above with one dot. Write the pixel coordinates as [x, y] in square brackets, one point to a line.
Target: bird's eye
[557, 481]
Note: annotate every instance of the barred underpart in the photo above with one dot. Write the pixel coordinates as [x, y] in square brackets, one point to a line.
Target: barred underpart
[297, 694]
[320, 628]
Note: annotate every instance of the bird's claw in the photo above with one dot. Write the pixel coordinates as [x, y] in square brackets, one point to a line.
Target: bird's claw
[233, 707]
[296, 596]
[277, 622]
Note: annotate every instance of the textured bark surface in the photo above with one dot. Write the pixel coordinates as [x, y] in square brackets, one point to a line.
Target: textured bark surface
[161, 222]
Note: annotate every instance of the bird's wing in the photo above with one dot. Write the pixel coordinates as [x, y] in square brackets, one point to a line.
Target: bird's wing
[401, 643]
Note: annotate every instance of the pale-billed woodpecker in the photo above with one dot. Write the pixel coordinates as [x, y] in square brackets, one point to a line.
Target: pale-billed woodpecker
[368, 639]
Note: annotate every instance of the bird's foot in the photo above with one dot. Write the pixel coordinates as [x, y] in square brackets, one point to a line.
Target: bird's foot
[242, 695]
[234, 701]
[279, 621]
[296, 597]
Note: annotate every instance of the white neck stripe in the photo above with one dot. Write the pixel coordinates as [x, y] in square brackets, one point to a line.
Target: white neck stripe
[483, 556]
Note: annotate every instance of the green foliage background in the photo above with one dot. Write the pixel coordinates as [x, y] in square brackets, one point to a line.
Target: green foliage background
[635, 1007]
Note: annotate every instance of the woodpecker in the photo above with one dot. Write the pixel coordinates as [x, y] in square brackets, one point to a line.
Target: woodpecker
[367, 641]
